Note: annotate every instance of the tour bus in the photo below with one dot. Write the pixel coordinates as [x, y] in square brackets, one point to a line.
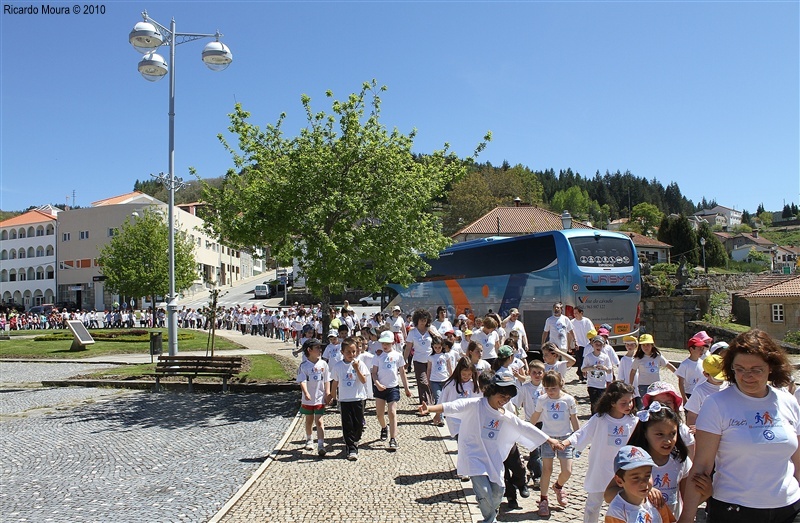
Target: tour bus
[596, 269]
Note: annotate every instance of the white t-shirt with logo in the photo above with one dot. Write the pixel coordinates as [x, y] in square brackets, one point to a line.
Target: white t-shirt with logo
[488, 342]
[368, 358]
[487, 435]
[333, 353]
[315, 376]
[625, 364]
[439, 366]
[350, 387]
[596, 378]
[559, 366]
[557, 328]
[556, 414]
[450, 392]
[758, 437]
[528, 393]
[667, 477]
[649, 368]
[606, 434]
[389, 365]
[421, 343]
[692, 374]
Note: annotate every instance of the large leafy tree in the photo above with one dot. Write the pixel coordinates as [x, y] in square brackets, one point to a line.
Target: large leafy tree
[716, 256]
[678, 232]
[646, 217]
[346, 197]
[136, 260]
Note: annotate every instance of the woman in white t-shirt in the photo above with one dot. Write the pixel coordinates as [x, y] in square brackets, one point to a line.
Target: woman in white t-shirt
[749, 434]
[419, 342]
[441, 323]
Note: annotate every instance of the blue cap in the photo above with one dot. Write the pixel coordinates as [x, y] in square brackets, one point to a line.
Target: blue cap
[631, 457]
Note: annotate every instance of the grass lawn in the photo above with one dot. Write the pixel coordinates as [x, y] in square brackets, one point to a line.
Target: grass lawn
[29, 348]
[260, 368]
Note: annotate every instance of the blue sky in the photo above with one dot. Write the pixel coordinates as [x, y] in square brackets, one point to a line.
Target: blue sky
[706, 94]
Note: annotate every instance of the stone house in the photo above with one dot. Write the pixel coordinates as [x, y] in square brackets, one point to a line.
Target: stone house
[771, 303]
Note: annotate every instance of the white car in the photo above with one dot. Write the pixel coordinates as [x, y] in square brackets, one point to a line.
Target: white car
[373, 299]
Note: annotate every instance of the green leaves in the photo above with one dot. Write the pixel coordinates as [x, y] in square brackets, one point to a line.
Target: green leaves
[346, 196]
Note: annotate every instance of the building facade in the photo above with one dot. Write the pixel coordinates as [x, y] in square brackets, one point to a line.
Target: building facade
[28, 257]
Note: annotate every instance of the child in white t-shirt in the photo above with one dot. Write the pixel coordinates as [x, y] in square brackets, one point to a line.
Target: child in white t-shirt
[690, 371]
[552, 354]
[463, 383]
[648, 362]
[315, 382]
[559, 414]
[596, 368]
[488, 431]
[632, 470]
[529, 392]
[714, 372]
[625, 364]
[388, 371]
[440, 368]
[349, 387]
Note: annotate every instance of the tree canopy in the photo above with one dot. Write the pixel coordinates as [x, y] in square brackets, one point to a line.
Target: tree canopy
[346, 197]
[136, 260]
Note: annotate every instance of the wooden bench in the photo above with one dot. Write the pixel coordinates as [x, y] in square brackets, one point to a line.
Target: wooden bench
[193, 366]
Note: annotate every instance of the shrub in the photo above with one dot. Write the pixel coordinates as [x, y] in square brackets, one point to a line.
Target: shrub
[792, 337]
[719, 309]
[668, 268]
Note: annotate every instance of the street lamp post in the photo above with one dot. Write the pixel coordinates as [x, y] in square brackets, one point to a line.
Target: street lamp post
[146, 37]
[566, 220]
[703, 245]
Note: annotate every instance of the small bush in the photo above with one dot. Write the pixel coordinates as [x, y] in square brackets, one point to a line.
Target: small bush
[667, 268]
[792, 337]
[747, 266]
[719, 309]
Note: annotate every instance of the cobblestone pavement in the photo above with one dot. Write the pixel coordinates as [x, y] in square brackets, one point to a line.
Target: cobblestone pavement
[103, 455]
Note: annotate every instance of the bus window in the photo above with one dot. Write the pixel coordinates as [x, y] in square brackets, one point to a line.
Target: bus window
[602, 251]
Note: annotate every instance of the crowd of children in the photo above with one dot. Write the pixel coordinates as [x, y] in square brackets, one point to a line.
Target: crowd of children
[493, 400]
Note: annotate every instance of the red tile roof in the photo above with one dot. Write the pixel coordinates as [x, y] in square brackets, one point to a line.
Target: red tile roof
[640, 240]
[517, 220]
[28, 218]
[773, 285]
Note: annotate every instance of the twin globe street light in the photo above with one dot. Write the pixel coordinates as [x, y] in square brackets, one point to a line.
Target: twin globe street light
[147, 36]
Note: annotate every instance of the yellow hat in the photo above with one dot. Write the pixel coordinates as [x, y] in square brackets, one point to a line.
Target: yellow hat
[714, 367]
[630, 339]
[646, 338]
[591, 334]
[467, 332]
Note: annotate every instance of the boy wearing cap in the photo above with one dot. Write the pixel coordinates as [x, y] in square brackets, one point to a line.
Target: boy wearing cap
[714, 372]
[633, 467]
[690, 371]
[596, 367]
[333, 351]
[388, 370]
[487, 433]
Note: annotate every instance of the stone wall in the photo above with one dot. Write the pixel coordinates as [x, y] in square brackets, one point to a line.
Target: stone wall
[667, 319]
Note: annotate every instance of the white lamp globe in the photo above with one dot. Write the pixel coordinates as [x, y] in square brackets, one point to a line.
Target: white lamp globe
[153, 67]
[217, 56]
[145, 37]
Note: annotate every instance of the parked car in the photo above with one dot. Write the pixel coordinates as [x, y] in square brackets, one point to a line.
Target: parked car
[373, 299]
[261, 291]
[41, 309]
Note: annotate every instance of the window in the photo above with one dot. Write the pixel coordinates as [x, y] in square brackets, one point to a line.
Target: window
[84, 235]
[65, 237]
[777, 313]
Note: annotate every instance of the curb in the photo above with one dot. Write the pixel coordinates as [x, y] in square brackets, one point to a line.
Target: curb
[222, 512]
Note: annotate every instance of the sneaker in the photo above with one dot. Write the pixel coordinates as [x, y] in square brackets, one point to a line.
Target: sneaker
[392, 444]
[309, 445]
[384, 433]
[544, 509]
[561, 496]
[524, 492]
[352, 456]
[513, 505]
[321, 451]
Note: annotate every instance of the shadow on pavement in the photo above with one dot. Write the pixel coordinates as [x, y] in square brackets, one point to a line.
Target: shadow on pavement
[182, 410]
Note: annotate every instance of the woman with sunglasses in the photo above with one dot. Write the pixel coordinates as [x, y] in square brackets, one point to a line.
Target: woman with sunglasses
[750, 434]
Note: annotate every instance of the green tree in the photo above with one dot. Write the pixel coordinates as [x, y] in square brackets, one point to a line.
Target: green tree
[766, 218]
[647, 216]
[346, 197]
[575, 200]
[716, 256]
[469, 199]
[678, 232]
[136, 260]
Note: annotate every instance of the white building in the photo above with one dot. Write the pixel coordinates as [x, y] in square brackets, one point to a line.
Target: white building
[83, 232]
[28, 257]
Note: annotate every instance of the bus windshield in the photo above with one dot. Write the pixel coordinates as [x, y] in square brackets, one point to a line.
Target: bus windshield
[602, 251]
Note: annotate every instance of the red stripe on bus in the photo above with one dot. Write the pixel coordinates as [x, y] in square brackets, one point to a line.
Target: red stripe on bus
[460, 300]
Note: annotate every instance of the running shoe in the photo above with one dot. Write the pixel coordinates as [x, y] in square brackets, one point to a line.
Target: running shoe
[321, 451]
[384, 433]
[392, 444]
[544, 509]
[561, 496]
[309, 445]
[352, 456]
